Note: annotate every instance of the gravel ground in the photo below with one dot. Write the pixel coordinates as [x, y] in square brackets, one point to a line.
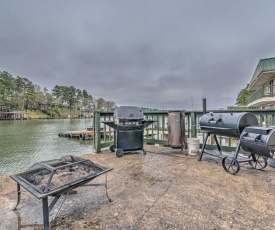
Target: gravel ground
[163, 190]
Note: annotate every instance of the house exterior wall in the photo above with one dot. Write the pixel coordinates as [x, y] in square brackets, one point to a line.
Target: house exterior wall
[263, 85]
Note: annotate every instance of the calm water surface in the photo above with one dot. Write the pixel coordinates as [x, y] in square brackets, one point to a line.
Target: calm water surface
[23, 143]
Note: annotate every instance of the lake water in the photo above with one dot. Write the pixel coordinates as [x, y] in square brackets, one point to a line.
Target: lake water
[23, 143]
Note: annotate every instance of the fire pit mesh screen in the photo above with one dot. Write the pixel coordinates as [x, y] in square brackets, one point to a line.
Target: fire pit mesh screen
[50, 175]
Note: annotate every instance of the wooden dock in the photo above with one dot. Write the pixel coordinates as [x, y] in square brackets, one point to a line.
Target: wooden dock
[89, 134]
[83, 134]
[71, 134]
[16, 115]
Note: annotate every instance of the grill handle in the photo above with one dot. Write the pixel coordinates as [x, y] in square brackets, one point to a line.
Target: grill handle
[257, 138]
[212, 121]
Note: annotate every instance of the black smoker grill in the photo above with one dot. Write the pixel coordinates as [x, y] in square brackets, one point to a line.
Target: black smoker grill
[57, 177]
[234, 125]
[227, 124]
[129, 127]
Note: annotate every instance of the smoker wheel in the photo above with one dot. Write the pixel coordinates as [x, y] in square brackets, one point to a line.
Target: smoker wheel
[260, 162]
[82, 136]
[112, 148]
[144, 152]
[119, 152]
[230, 165]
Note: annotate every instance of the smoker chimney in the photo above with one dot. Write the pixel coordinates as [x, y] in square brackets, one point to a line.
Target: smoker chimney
[204, 105]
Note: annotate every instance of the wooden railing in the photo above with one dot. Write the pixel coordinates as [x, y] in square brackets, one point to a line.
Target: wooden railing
[264, 91]
[157, 132]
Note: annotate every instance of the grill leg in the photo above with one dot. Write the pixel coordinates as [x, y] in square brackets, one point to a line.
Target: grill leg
[218, 145]
[18, 196]
[203, 146]
[46, 223]
[237, 150]
[253, 157]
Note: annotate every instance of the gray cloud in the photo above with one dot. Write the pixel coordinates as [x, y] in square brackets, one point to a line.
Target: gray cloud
[161, 54]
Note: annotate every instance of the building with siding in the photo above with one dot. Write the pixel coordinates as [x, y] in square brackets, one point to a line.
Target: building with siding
[263, 85]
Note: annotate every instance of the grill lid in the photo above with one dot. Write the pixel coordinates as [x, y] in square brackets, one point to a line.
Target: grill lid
[227, 124]
[128, 113]
[257, 130]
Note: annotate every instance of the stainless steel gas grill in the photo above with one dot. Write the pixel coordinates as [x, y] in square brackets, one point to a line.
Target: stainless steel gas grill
[57, 177]
[234, 125]
[129, 127]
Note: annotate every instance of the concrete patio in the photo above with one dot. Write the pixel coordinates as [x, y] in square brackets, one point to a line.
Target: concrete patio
[164, 189]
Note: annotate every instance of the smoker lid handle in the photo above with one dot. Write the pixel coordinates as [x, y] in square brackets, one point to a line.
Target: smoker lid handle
[257, 138]
[248, 138]
[212, 121]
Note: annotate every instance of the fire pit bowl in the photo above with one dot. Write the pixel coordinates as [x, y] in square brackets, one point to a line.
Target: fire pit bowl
[57, 177]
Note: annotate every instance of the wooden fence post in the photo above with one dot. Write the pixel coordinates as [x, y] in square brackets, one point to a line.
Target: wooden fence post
[97, 136]
[193, 125]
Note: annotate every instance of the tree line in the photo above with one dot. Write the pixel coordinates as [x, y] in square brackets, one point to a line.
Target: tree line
[244, 94]
[19, 93]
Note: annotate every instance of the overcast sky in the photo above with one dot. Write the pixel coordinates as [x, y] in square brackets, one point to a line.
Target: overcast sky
[161, 54]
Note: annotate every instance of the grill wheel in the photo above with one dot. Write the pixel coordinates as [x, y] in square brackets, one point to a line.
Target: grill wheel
[258, 162]
[230, 165]
[112, 148]
[119, 152]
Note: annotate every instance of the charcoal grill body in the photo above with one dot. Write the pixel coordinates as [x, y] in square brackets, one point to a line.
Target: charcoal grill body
[230, 125]
[51, 169]
[128, 128]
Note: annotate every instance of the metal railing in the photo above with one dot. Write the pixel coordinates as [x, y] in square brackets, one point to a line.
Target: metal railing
[264, 91]
[157, 133]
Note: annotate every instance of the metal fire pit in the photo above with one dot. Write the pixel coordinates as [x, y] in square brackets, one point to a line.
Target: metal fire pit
[57, 177]
[231, 125]
[129, 127]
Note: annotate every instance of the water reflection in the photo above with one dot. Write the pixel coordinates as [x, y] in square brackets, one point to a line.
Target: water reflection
[22, 143]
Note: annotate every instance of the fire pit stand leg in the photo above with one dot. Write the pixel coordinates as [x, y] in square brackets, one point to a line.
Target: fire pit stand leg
[18, 196]
[46, 223]
[203, 147]
[110, 200]
[47, 209]
[102, 184]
